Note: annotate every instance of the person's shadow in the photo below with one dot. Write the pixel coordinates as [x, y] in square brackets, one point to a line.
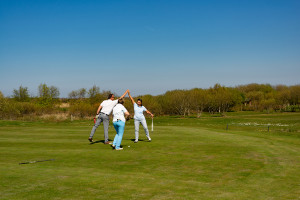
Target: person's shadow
[134, 140]
[98, 141]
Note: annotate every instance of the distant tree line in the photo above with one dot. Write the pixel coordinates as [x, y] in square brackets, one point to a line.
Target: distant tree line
[218, 99]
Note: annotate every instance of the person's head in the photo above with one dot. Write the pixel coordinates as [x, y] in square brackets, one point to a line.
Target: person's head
[139, 102]
[111, 97]
[121, 101]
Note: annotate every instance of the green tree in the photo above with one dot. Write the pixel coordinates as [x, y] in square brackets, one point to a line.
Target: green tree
[54, 92]
[21, 94]
[176, 102]
[78, 94]
[44, 91]
[47, 95]
[93, 92]
[199, 100]
[295, 95]
[73, 94]
[48, 92]
[81, 93]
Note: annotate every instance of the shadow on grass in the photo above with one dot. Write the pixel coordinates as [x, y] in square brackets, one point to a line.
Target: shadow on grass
[140, 140]
[98, 141]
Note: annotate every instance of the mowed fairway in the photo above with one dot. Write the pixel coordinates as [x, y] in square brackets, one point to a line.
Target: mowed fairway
[182, 162]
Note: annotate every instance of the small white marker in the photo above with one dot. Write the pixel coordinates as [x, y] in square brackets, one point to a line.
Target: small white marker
[128, 146]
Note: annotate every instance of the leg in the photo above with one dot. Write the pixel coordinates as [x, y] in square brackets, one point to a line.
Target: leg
[121, 126]
[136, 128]
[98, 122]
[116, 136]
[144, 124]
[105, 126]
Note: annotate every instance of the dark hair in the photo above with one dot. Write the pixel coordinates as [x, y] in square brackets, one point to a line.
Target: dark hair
[140, 101]
[121, 101]
[109, 96]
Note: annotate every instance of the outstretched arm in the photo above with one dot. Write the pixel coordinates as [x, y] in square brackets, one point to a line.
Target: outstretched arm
[132, 100]
[124, 94]
[147, 111]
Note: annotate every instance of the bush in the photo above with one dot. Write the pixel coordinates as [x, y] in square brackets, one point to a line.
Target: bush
[8, 110]
[83, 109]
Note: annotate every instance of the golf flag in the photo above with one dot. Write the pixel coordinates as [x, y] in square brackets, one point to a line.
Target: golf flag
[152, 125]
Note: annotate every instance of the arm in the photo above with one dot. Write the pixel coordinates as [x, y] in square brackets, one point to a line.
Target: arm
[126, 114]
[132, 100]
[147, 111]
[124, 94]
[99, 108]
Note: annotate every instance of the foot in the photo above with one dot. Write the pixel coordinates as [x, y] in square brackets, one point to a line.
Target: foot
[149, 139]
[113, 146]
[108, 142]
[135, 141]
[91, 139]
[119, 149]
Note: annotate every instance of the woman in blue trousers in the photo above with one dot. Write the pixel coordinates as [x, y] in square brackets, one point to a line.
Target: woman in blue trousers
[119, 123]
[139, 118]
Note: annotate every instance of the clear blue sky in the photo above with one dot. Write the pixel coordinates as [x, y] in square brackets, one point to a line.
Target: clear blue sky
[148, 46]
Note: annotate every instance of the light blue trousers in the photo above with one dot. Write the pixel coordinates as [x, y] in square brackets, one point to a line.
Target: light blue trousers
[137, 127]
[119, 126]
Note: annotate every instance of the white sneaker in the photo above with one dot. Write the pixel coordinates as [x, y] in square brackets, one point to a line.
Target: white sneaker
[135, 141]
[149, 139]
[119, 149]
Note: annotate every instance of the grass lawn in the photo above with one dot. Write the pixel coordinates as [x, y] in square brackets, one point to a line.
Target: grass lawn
[188, 159]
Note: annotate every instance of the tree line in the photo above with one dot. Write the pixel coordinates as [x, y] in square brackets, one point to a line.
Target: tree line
[217, 99]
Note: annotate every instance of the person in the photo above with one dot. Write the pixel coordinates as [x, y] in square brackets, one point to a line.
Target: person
[119, 123]
[139, 117]
[103, 113]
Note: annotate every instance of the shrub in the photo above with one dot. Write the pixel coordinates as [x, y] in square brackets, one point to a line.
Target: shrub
[83, 109]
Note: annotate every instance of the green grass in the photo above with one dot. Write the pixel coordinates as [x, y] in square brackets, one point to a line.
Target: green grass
[188, 158]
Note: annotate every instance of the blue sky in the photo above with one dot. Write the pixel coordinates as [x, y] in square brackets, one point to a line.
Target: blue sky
[147, 46]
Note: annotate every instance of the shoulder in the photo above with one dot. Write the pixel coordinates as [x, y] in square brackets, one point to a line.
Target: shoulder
[117, 107]
[104, 101]
[123, 108]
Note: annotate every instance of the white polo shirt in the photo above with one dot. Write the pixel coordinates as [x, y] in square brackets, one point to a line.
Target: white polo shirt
[108, 105]
[118, 113]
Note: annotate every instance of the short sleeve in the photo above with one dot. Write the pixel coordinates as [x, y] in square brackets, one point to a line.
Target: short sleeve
[124, 109]
[102, 103]
[115, 102]
[144, 109]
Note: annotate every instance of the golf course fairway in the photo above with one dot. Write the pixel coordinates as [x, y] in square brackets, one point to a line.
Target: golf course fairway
[183, 161]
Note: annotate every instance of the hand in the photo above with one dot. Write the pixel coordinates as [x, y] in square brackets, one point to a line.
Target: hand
[152, 115]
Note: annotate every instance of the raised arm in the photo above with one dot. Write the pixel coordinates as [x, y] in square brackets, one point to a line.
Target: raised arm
[124, 94]
[132, 100]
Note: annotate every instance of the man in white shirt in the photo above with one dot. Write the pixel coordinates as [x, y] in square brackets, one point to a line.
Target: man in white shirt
[103, 113]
